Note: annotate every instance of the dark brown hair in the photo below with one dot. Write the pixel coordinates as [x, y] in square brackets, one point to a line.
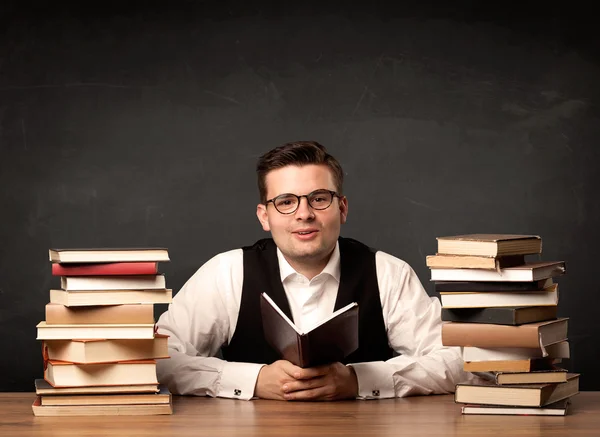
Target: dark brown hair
[296, 153]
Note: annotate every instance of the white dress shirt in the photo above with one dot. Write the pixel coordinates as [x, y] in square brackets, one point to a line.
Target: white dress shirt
[203, 317]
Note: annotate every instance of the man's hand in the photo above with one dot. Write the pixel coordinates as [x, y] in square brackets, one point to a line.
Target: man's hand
[273, 377]
[324, 383]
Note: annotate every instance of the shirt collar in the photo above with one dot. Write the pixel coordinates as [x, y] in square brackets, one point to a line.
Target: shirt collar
[332, 268]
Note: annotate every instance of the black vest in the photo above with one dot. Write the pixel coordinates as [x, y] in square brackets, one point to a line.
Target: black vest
[358, 283]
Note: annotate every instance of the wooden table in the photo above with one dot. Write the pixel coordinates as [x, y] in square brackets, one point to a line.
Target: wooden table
[194, 416]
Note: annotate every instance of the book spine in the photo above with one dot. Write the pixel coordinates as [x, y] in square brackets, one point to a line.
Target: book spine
[135, 313]
[489, 336]
[303, 351]
[106, 269]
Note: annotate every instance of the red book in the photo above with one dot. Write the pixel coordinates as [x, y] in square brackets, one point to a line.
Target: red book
[100, 269]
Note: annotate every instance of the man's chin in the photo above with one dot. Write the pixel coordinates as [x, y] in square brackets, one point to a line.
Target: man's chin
[307, 254]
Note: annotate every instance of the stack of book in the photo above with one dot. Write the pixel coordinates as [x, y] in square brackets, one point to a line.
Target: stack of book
[501, 309]
[99, 341]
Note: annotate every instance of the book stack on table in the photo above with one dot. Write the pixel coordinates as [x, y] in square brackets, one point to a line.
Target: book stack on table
[502, 310]
[99, 341]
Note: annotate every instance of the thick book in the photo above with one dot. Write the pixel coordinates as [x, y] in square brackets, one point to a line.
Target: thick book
[110, 297]
[100, 410]
[88, 283]
[162, 397]
[532, 271]
[559, 408]
[95, 331]
[500, 315]
[533, 335]
[556, 350]
[65, 374]
[496, 299]
[42, 387]
[525, 395]
[109, 254]
[491, 245]
[57, 314]
[481, 286]
[105, 269]
[106, 351]
[331, 340]
[441, 261]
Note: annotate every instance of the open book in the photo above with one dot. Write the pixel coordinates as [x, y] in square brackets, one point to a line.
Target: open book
[333, 339]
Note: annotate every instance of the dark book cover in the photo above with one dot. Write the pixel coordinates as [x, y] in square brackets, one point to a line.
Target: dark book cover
[452, 286]
[332, 340]
[500, 315]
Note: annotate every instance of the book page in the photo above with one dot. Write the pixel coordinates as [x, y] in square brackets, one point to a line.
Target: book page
[332, 316]
[281, 313]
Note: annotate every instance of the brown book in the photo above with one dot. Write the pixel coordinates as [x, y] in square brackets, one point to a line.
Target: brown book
[441, 261]
[538, 334]
[100, 410]
[110, 297]
[535, 377]
[530, 335]
[331, 340]
[64, 374]
[530, 395]
[57, 314]
[106, 351]
[108, 254]
[492, 245]
[526, 365]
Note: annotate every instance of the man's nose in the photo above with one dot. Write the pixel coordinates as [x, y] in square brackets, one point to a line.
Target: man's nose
[304, 210]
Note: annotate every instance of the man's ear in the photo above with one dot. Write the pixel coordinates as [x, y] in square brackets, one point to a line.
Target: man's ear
[263, 218]
[343, 209]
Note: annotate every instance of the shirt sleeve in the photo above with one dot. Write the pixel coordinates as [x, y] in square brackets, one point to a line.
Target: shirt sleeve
[414, 328]
[200, 319]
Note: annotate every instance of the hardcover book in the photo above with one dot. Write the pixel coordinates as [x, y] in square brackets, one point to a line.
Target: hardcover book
[500, 315]
[492, 245]
[331, 340]
[518, 395]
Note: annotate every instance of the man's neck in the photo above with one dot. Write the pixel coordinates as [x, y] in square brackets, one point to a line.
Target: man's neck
[311, 268]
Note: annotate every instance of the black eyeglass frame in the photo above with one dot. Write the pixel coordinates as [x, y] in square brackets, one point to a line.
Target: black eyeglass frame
[333, 194]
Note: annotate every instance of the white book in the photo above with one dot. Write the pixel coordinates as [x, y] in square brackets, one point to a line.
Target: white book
[132, 282]
[494, 299]
[557, 409]
[556, 350]
[108, 254]
[79, 298]
[62, 374]
[528, 272]
[96, 331]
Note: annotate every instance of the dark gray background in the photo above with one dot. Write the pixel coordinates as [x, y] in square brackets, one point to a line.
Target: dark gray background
[140, 125]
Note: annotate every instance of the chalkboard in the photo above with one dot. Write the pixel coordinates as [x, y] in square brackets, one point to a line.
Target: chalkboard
[141, 126]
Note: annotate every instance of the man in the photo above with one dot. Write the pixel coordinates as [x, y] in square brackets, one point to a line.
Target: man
[312, 271]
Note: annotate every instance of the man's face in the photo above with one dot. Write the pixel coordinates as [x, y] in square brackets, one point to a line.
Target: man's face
[307, 236]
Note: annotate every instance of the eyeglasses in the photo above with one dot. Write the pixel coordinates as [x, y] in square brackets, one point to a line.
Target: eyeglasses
[288, 203]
